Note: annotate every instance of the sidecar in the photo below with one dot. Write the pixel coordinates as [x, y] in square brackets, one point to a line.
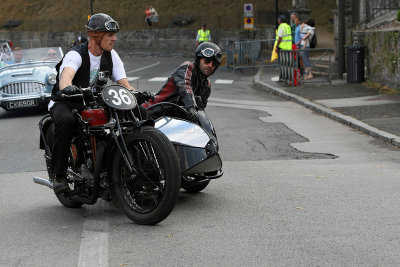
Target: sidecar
[196, 144]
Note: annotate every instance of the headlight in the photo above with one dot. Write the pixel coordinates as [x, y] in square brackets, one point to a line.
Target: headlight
[52, 78]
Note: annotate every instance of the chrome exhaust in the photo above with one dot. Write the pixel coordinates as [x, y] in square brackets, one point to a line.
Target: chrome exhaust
[44, 182]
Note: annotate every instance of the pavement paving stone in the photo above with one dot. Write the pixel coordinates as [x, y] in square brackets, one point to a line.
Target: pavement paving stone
[353, 104]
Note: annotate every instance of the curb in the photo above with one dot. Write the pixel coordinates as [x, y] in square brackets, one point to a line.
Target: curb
[347, 120]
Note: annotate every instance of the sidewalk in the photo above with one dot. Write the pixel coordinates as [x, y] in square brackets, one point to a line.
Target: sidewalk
[349, 103]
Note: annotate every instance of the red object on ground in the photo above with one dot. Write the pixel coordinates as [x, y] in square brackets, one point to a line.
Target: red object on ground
[296, 72]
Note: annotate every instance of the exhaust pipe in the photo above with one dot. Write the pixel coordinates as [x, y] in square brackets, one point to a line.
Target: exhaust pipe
[44, 182]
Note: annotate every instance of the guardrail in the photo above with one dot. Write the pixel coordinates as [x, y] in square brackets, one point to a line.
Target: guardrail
[249, 54]
[291, 68]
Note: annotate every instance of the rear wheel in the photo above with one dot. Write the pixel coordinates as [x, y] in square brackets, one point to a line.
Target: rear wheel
[66, 201]
[148, 196]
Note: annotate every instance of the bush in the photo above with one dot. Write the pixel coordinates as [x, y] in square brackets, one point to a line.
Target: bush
[398, 15]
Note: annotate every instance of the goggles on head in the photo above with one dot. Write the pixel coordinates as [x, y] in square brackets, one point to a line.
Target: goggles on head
[109, 26]
[209, 52]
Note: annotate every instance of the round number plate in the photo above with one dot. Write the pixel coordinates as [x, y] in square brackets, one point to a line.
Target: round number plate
[118, 97]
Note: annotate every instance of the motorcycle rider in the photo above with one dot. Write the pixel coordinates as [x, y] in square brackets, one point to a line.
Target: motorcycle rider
[80, 68]
[188, 85]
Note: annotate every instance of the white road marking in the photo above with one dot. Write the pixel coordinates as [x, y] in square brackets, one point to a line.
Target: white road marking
[158, 79]
[145, 67]
[94, 241]
[221, 81]
[130, 79]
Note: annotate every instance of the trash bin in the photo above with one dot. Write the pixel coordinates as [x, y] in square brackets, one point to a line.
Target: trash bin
[355, 64]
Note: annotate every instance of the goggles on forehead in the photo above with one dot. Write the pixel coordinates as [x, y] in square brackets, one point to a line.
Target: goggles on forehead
[209, 52]
[110, 26]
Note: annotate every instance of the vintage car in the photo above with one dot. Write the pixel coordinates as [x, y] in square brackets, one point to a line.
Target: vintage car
[27, 77]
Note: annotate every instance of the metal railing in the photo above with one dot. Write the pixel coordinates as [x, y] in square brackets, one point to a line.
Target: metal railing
[249, 54]
[291, 67]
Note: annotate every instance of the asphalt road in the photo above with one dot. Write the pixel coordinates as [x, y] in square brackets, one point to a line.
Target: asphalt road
[298, 189]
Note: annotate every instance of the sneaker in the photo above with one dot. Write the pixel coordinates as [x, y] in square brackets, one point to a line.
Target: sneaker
[60, 184]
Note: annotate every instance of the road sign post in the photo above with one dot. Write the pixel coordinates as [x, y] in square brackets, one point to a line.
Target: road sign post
[248, 16]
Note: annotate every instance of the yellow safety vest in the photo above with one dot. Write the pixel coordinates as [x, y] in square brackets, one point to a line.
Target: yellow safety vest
[286, 42]
[204, 36]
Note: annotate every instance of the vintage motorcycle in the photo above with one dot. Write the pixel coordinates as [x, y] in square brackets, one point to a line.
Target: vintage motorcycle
[116, 156]
[196, 144]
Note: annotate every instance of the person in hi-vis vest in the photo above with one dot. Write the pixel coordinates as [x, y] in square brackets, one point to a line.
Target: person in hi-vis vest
[283, 39]
[203, 35]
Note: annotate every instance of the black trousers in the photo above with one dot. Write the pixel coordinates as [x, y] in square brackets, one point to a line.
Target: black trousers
[64, 126]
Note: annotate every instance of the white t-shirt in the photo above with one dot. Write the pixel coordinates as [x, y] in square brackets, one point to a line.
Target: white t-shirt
[73, 60]
[306, 29]
[281, 31]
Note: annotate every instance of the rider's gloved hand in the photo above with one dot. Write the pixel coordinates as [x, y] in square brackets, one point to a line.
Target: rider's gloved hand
[144, 96]
[70, 90]
[199, 102]
[192, 115]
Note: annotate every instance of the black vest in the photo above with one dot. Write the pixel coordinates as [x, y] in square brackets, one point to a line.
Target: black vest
[82, 76]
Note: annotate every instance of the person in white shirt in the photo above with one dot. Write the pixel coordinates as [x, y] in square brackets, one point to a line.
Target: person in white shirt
[306, 33]
[79, 68]
[154, 16]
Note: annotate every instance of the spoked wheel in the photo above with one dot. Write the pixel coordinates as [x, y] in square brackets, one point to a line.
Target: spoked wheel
[66, 201]
[148, 195]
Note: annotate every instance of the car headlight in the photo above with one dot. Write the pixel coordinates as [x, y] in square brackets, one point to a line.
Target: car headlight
[51, 78]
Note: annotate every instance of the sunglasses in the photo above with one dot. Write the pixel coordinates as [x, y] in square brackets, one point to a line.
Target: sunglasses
[51, 54]
[209, 52]
[208, 60]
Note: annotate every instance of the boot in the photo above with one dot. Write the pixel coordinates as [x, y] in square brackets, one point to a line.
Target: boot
[60, 184]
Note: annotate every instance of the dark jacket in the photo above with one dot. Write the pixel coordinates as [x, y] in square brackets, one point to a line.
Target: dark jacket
[82, 76]
[185, 83]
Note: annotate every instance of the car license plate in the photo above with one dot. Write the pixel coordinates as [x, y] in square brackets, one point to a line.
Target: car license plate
[22, 103]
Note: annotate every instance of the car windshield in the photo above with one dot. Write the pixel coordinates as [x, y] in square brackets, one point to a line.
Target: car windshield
[19, 55]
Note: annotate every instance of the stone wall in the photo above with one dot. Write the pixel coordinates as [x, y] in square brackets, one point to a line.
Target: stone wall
[155, 41]
[383, 55]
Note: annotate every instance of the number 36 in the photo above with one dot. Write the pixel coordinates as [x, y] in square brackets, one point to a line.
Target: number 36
[120, 97]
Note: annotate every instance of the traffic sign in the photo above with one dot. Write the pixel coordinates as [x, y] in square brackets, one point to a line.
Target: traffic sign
[249, 23]
[248, 8]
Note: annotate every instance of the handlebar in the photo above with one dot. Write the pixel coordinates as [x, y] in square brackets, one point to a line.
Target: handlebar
[84, 90]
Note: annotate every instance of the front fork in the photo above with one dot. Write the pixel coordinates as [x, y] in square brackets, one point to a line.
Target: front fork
[121, 145]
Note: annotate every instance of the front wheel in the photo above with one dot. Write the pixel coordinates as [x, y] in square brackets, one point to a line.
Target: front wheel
[148, 195]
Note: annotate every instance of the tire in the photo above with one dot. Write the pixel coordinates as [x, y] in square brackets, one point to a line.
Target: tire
[150, 196]
[65, 201]
[196, 188]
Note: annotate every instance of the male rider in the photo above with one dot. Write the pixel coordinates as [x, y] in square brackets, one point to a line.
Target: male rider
[79, 68]
[188, 85]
